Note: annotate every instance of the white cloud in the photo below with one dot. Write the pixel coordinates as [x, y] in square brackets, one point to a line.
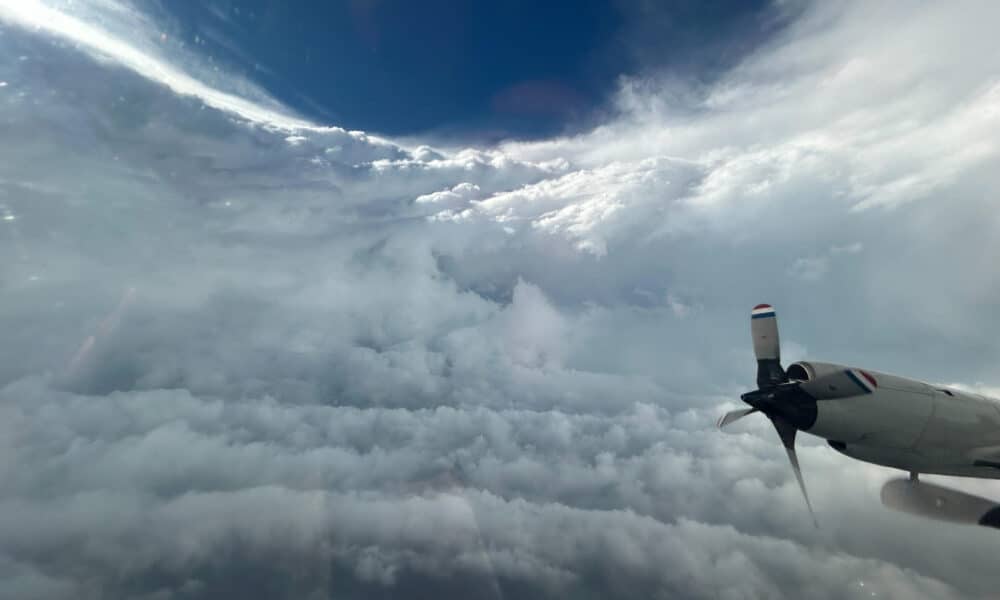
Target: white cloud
[534, 329]
[37, 15]
[814, 268]
[854, 248]
[457, 197]
[348, 361]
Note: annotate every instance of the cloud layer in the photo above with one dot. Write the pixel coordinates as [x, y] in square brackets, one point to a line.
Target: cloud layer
[246, 354]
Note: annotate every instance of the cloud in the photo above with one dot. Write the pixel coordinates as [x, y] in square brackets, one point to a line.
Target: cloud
[257, 356]
[38, 15]
[814, 268]
[455, 197]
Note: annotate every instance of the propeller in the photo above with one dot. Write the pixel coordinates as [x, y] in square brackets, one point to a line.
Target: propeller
[734, 415]
[782, 401]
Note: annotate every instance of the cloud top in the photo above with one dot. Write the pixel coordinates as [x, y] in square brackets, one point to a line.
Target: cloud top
[244, 354]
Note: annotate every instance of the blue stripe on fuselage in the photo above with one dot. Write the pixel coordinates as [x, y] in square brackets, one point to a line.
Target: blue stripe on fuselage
[762, 315]
[855, 379]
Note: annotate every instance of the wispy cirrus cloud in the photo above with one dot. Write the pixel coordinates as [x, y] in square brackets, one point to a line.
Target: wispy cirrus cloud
[91, 37]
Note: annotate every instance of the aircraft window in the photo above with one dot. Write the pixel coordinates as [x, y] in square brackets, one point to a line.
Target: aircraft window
[946, 392]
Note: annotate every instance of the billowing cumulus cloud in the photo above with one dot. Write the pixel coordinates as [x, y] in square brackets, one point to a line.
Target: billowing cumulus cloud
[247, 355]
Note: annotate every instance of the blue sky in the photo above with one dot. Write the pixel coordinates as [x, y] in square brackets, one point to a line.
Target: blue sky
[482, 69]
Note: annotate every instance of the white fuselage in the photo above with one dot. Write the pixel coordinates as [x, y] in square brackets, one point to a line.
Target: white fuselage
[914, 426]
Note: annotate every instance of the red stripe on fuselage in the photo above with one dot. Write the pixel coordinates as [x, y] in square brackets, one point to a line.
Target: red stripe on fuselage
[870, 379]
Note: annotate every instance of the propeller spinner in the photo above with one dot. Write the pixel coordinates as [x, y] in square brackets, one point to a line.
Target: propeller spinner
[781, 400]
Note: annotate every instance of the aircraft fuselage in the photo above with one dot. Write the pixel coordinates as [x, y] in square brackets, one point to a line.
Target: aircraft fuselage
[902, 423]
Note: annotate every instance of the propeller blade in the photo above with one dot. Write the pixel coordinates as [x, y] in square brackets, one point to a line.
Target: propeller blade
[766, 346]
[786, 431]
[734, 415]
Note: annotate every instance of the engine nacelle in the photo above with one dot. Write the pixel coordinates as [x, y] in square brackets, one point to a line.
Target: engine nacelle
[859, 406]
[828, 381]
